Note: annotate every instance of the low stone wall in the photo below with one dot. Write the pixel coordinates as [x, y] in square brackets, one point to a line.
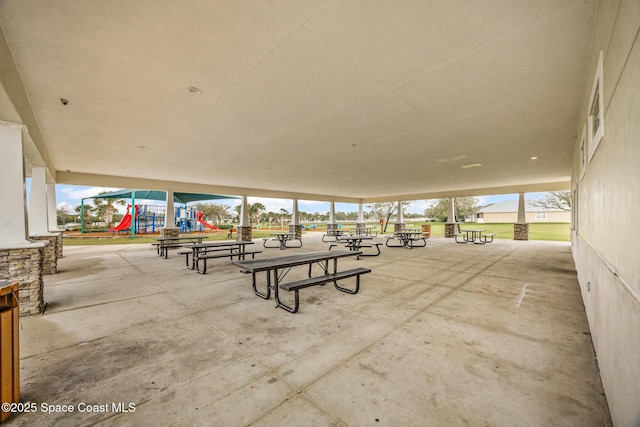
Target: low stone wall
[50, 258]
[296, 229]
[521, 231]
[24, 265]
[59, 243]
[450, 229]
[169, 232]
[244, 233]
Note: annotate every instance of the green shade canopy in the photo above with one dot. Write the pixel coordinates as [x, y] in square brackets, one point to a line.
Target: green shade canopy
[178, 197]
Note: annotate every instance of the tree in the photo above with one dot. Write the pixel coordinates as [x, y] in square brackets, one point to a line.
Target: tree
[283, 214]
[104, 208]
[385, 211]
[554, 200]
[63, 216]
[464, 206]
[253, 211]
[217, 213]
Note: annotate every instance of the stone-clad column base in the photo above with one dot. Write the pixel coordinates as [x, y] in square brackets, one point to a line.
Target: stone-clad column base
[332, 226]
[450, 229]
[398, 226]
[244, 233]
[296, 229]
[521, 231]
[169, 232]
[360, 226]
[50, 260]
[23, 264]
[59, 242]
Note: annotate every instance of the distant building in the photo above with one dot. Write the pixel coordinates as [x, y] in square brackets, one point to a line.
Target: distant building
[507, 211]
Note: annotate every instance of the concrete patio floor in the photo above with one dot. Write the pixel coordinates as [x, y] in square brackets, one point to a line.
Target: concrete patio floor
[446, 335]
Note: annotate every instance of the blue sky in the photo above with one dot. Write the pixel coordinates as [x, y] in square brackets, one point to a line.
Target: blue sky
[70, 196]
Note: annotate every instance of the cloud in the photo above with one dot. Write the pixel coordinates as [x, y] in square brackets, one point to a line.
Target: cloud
[66, 206]
[77, 193]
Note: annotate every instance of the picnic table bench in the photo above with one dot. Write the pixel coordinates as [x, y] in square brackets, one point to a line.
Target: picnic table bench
[201, 252]
[165, 243]
[282, 239]
[280, 266]
[474, 236]
[408, 239]
[355, 244]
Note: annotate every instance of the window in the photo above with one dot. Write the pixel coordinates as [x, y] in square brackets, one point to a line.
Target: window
[595, 121]
[541, 215]
[583, 152]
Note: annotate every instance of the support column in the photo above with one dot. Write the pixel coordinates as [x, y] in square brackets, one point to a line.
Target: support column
[332, 224]
[38, 220]
[244, 232]
[13, 222]
[521, 227]
[52, 209]
[20, 259]
[451, 226]
[294, 226]
[169, 229]
[360, 225]
[399, 225]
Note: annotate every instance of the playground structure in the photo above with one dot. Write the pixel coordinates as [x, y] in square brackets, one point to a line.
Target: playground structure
[150, 218]
[188, 219]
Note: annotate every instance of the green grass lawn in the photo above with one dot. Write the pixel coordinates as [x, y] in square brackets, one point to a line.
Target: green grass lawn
[559, 231]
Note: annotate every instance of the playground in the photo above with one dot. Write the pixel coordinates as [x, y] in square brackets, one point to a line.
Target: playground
[148, 219]
[143, 219]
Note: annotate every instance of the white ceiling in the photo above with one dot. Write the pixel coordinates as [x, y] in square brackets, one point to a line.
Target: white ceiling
[368, 100]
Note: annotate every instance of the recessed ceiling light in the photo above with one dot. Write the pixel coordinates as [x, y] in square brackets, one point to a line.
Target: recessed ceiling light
[194, 90]
[452, 159]
[534, 158]
[474, 165]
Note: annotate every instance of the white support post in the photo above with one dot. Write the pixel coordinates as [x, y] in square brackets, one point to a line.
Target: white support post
[38, 221]
[295, 216]
[400, 218]
[360, 214]
[244, 212]
[52, 208]
[522, 214]
[332, 213]
[169, 220]
[13, 222]
[451, 217]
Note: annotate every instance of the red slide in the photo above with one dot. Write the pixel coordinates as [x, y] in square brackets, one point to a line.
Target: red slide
[125, 223]
[203, 222]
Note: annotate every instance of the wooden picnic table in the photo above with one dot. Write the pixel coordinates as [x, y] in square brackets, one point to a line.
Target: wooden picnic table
[278, 267]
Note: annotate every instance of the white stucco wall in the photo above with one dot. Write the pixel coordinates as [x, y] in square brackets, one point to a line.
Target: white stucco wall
[605, 238]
